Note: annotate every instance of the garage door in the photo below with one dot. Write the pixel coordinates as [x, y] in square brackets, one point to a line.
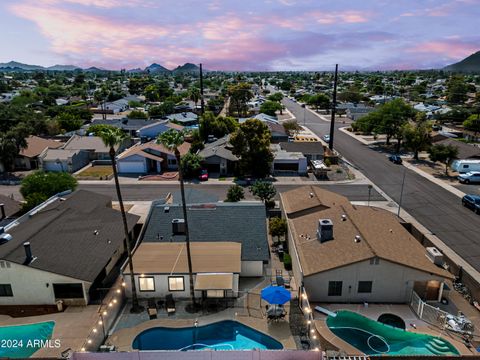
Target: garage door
[213, 168]
[131, 167]
[285, 166]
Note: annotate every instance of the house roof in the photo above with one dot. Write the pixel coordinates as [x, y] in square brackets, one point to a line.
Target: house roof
[166, 123]
[242, 222]
[125, 123]
[304, 147]
[11, 207]
[61, 154]
[381, 235]
[152, 150]
[93, 143]
[218, 148]
[62, 235]
[35, 146]
[171, 258]
[465, 151]
[183, 117]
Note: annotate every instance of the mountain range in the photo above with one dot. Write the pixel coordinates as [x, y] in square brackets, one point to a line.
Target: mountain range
[153, 68]
[469, 64]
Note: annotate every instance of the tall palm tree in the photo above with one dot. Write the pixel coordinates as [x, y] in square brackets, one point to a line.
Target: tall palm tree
[111, 137]
[172, 139]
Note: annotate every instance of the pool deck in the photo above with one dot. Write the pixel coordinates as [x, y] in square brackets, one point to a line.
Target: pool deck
[373, 311]
[71, 326]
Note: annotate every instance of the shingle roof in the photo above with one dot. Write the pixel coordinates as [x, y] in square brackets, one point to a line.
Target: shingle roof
[465, 151]
[94, 143]
[35, 145]
[218, 148]
[381, 235]
[61, 154]
[242, 222]
[125, 123]
[152, 150]
[62, 236]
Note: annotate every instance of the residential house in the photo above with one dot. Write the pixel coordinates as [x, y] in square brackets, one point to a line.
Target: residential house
[217, 157]
[465, 151]
[312, 150]
[161, 268]
[129, 126]
[9, 209]
[356, 113]
[94, 146]
[152, 131]
[149, 157]
[27, 159]
[63, 160]
[276, 129]
[68, 249]
[354, 254]
[242, 222]
[184, 118]
[288, 162]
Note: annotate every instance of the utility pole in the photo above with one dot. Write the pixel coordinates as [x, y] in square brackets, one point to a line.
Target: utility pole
[334, 107]
[401, 192]
[202, 102]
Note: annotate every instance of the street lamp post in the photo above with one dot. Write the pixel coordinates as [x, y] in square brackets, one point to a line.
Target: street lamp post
[401, 191]
[304, 106]
[369, 191]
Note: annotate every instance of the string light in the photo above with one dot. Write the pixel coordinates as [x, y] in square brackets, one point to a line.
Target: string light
[110, 304]
[312, 331]
[124, 284]
[316, 349]
[314, 336]
[308, 310]
[94, 330]
[104, 313]
[100, 322]
[119, 291]
[304, 296]
[114, 301]
[89, 341]
[82, 349]
[309, 322]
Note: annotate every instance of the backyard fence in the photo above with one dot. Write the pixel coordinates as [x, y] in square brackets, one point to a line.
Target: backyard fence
[427, 312]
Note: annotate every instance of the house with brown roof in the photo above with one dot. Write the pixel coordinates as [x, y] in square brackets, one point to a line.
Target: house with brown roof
[148, 158]
[161, 268]
[349, 253]
[27, 159]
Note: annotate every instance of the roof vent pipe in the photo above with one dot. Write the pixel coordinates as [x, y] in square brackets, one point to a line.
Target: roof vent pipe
[28, 253]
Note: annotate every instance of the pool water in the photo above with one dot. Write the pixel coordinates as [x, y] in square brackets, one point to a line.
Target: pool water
[374, 338]
[22, 341]
[223, 335]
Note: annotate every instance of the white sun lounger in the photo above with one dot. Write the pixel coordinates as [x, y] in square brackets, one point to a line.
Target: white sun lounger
[325, 311]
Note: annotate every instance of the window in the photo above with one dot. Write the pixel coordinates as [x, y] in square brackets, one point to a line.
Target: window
[68, 291]
[175, 283]
[215, 293]
[374, 261]
[172, 161]
[146, 284]
[6, 290]
[335, 288]
[365, 287]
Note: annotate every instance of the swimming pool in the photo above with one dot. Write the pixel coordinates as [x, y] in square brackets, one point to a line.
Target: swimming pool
[223, 335]
[374, 338]
[22, 341]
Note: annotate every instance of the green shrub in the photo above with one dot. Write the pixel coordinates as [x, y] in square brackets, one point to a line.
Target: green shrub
[328, 162]
[287, 261]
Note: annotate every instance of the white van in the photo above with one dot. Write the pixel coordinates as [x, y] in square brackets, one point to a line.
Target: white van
[464, 166]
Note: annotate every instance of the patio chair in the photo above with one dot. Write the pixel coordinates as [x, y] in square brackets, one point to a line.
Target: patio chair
[170, 304]
[152, 309]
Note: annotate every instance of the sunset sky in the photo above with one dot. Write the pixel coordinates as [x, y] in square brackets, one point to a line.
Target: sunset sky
[241, 34]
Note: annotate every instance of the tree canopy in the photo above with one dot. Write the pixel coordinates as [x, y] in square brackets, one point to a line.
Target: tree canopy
[444, 154]
[270, 108]
[235, 193]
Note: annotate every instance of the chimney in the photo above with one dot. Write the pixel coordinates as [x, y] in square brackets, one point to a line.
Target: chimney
[325, 230]
[28, 253]
[2, 208]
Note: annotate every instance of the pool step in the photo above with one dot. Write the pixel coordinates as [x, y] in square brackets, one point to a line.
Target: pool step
[439, 345]
[434, 350]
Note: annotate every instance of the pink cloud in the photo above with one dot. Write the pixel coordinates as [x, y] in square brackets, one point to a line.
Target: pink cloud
[349, 17]
[452, 48]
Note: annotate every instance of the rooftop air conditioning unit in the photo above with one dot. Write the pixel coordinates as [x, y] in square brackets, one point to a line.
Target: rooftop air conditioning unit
[434, 255]
[325, 230]
[178, 226]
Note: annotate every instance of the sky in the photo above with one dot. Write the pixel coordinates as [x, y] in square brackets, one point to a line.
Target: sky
[241, 35]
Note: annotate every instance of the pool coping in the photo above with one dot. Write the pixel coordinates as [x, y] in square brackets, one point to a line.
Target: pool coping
[123, 338]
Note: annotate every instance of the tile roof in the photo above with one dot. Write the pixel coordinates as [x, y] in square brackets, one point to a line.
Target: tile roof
[62, 236]
[167, 258]
[381, 235]
[35, 146]
[242, 222]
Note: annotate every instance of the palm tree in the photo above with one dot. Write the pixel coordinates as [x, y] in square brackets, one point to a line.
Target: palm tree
[195, 95]
[172, 139]
[111, 137]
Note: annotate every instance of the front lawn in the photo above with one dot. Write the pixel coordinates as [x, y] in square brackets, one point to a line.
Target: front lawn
[101, 172]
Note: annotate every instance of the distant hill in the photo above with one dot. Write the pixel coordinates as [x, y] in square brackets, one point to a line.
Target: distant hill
[63, 68]
[469, 64]
[187, 68]
[94, 69]
[156, 68]
[21, 66]
[136, 70]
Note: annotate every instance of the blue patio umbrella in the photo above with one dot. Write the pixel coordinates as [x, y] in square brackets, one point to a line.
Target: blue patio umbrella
[276, 295]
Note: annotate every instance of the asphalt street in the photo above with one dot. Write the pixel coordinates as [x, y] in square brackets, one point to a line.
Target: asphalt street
[437, 209]
[145, 191]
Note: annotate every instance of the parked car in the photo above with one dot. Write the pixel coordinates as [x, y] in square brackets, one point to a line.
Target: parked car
[396, 159]
[326, 138]
[472, 202]
[203, 175]
[470, 177]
